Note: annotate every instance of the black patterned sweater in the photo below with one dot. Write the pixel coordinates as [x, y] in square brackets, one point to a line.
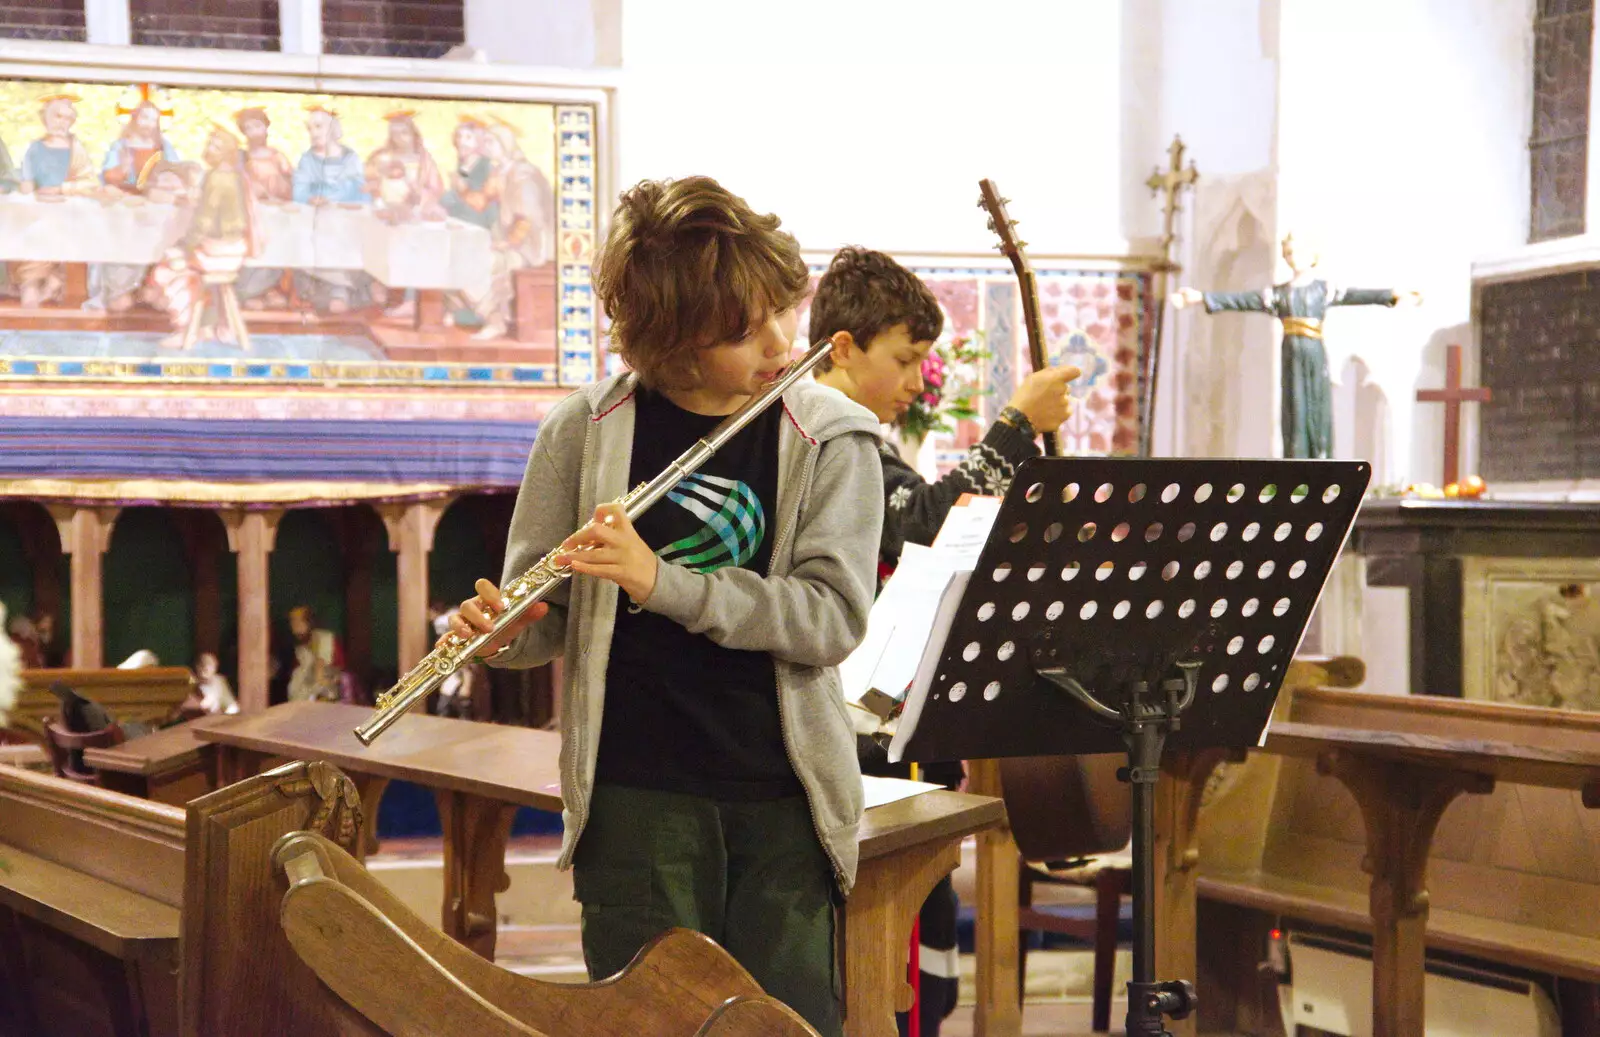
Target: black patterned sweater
[914, 509]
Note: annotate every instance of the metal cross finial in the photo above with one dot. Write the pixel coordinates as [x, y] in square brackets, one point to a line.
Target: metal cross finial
[1173, 180]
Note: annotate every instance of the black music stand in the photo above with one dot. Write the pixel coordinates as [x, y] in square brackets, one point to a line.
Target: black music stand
[1123, 605]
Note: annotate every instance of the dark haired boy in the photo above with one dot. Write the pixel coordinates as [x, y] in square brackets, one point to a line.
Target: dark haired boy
[883, 321]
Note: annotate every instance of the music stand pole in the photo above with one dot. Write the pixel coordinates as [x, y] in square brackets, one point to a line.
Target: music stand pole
[1146, 719]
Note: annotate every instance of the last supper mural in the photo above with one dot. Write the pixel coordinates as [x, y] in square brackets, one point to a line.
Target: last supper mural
[156, 232]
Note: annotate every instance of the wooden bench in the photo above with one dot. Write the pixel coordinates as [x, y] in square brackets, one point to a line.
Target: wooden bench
[121, 916]
[143, 696]
[1511, 876]
[171, 765]
[90, 895]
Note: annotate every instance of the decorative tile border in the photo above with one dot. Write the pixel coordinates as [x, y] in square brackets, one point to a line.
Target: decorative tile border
[578, 354]
[238, 372]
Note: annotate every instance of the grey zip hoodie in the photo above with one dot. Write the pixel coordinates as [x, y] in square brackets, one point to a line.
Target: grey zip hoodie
[808, 612]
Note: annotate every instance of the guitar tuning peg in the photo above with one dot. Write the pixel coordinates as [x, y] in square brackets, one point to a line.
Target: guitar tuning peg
[1005, 201]
[1022, 244]
[1013, 222]
[990, 224]
[982, 204]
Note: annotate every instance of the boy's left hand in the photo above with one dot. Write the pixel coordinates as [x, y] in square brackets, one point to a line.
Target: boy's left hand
[610, 548]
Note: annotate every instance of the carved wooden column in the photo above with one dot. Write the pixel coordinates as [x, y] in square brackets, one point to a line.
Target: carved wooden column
[85, 535]
[1401, 804]
[250, 536]
[1177, 864]
[359, 543]
[997, 940]
[201, 543]
[411, 527]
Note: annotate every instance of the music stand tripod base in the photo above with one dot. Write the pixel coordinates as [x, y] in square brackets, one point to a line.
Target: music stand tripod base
[1132, 605]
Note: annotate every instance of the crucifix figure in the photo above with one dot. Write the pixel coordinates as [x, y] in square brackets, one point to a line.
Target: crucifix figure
[1301, 303]
[1453, 395]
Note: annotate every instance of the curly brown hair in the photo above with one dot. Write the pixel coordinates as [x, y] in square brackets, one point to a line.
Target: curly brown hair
[866, 293]
[687, 265]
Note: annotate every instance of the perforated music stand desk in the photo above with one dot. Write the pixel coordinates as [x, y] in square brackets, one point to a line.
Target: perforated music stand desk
[1125, 605]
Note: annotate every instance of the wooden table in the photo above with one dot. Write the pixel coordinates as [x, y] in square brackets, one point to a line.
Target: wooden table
[1402, 783]
[480, 774]
[171, 765]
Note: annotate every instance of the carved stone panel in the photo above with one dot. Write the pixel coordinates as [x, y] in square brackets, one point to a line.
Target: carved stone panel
[1532, 631]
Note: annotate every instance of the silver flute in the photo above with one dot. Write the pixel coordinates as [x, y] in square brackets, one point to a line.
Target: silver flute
[533, 586]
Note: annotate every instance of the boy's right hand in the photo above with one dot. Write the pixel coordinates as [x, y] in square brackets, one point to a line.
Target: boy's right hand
[476, 617]
[1044, 399]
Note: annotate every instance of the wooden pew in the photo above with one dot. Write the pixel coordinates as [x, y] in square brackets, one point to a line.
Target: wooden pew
[144, 696]
[408, 977]
[127, 917]
[1510, 876]
[90, 893]
[171, 765]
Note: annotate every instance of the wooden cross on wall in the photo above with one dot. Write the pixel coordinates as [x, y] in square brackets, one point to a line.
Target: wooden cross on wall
[1453, 395]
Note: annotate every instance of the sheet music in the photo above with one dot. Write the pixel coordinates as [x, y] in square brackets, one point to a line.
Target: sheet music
[932, 648]
[904, 613]
[967, 526]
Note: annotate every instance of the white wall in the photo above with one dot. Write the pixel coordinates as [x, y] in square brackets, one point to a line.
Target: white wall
[1209, 73]
[871, 121]
[1402, 148]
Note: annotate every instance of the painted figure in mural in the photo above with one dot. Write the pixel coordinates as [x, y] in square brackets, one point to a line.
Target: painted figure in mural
[329, 173]
[318, 659]
[266, 169]
[198, 275]
[128, 164]
[524, 233]
[54, 166]
[140, 144]
[271, 179]
[473, 196]
[1301, 303]
[402, 176]
[8, 171]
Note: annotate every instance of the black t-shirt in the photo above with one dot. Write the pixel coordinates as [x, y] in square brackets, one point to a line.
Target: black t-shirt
[683, 713]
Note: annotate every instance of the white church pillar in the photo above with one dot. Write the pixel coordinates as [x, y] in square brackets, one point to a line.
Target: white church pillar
[108, 22]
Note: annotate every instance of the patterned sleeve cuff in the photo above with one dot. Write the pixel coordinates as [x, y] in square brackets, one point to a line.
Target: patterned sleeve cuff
[1009, 442]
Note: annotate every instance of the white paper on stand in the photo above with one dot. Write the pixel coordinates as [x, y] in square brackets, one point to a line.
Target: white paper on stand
[932, 649]
[967, 527]
[898, 625]
[905, 611]
[880, 791]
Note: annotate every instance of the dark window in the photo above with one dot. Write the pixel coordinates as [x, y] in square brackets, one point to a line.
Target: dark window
[1541, 357]
[392, 28]
[42, 20]
[1559, 148]
[218, 24]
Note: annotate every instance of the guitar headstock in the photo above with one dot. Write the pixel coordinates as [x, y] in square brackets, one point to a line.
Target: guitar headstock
[1003, 225]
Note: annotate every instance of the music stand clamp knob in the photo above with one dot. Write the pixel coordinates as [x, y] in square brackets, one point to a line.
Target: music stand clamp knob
[1174, 999]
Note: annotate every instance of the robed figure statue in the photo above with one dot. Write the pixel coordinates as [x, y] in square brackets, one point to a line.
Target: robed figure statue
[1300, 303]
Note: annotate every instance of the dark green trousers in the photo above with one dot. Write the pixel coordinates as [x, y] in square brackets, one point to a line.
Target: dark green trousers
[752, 876]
